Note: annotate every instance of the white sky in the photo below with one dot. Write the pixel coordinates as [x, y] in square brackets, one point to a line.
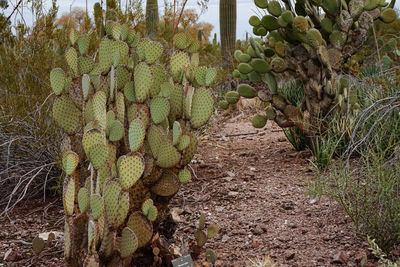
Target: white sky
[245, 9]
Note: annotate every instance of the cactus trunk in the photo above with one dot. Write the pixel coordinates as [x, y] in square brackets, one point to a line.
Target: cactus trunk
[227, 24]
[152, 17]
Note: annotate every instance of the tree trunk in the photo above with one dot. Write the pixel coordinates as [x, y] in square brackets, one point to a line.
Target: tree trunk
[227, 24]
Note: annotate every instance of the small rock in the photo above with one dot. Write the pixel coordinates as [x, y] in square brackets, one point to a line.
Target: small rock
[340, 258]
[257, 230]
[219, 208]
[312, 201]
[233, 193]
[228, 179]
[225, 238]
[231, 174]
[289, 255]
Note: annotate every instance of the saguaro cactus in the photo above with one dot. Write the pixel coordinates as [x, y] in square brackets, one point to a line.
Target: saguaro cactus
[312, 47]
[227, 25]
[152, 17]
[131, 124]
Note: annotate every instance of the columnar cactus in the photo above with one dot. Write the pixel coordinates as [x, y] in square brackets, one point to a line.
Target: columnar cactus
[227, 25]
[111, 9]
[152, 17]
[311, 46]
[130, 135]
[98, 20]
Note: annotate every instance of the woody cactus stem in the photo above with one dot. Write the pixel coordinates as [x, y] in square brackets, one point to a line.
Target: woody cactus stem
[152, 17]
[227, 22]
[110, 9]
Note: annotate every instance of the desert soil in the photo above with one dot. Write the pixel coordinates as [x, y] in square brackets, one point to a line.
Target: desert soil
[249, 182]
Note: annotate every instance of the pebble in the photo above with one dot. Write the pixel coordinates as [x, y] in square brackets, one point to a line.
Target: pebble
[257, 230]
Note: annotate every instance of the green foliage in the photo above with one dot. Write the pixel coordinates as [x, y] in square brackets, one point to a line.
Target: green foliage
[122, 191]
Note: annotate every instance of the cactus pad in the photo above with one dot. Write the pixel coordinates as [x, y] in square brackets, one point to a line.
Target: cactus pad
[129, 242]
[69, 195]
[111, 192]
[184, 176]
[92, 138]
[176, 132]
[72, 59]
[130, 171]
[182, 40]
[167, 185]
[143, 81]
[129, 92]
[154, 138]
[159, 109]
[178, 62]
[210, 76]
[66, 114]
[38, 245]
[83, 44]
[70, 162]
[160, 77]
[202, 107]
[167, 156]
[153, 52]
[57, 80]
[96, 206]
[141, 227]
[98, 154]
[201, 238]
[83, 199]
[136, 134]
[212, 231]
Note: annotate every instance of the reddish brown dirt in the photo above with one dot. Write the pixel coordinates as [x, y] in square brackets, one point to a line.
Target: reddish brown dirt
[251, 183]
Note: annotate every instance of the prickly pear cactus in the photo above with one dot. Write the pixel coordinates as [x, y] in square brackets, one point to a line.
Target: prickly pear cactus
[129, 121]
[311, 46]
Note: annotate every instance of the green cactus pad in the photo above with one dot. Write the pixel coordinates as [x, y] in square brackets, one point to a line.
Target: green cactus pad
[141, 48]
[193, 47]
[245, 68]
[232, 97]
[96, 206]
[123, 209]
[184, 176]
[176, 101]
[111, 192]
[159, 109]
[92, 138]
[85, 86]
[184, 142]
[236, 74]
[99, 108]
[73, 36]
[274, 8]
[314, 37]
[300, 23]
[116, 31]
[106, 55]
[57, 80]
[270, 113]
[144, 115]
[287, 16]
[146, 206]
[259, 121]
[98, 154]
[182, 40]
[388, 15]
[261, 3]
[254, 21]
[260, 65]
[83, 199]
[223, 104]
[123, 76]
[200, 75]
[66, 114]
[212, 231]
[167, 155]
[116, 131]
[178, 62]
[153, 52]
[136, 134]
[189, 151]
[152, 213]
[201, 238]
[83, 44]
[141, 227]
[326, 25]
[166, 89]
[160, 77]
[167, 185]
[336, 38]
[244, 58]
[129, 242]
[176, 132]
[246, 91]
[70, 162]
[124, 31]
[202, 107]
[120, 106]
[154, 138]
[270, 23]
[69, 195]
[143, 81]
[129, 92]
[130, 170]
[210, 76]
[72, 59]
[254, 77]
[123, 49]
[331, 7]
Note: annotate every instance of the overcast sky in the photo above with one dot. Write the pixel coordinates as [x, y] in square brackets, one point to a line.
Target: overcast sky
[245, 8]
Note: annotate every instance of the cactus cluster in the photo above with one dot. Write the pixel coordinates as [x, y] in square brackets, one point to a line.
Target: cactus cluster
[130, 126]
[308, 45]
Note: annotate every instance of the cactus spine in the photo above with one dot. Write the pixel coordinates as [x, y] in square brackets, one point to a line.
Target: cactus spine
[130, 123]
[227, 24]
[152, 17]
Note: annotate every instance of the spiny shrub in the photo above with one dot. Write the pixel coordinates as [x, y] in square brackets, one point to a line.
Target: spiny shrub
[130, 123]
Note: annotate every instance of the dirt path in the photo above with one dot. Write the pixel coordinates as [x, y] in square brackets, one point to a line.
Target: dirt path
[252, 186]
